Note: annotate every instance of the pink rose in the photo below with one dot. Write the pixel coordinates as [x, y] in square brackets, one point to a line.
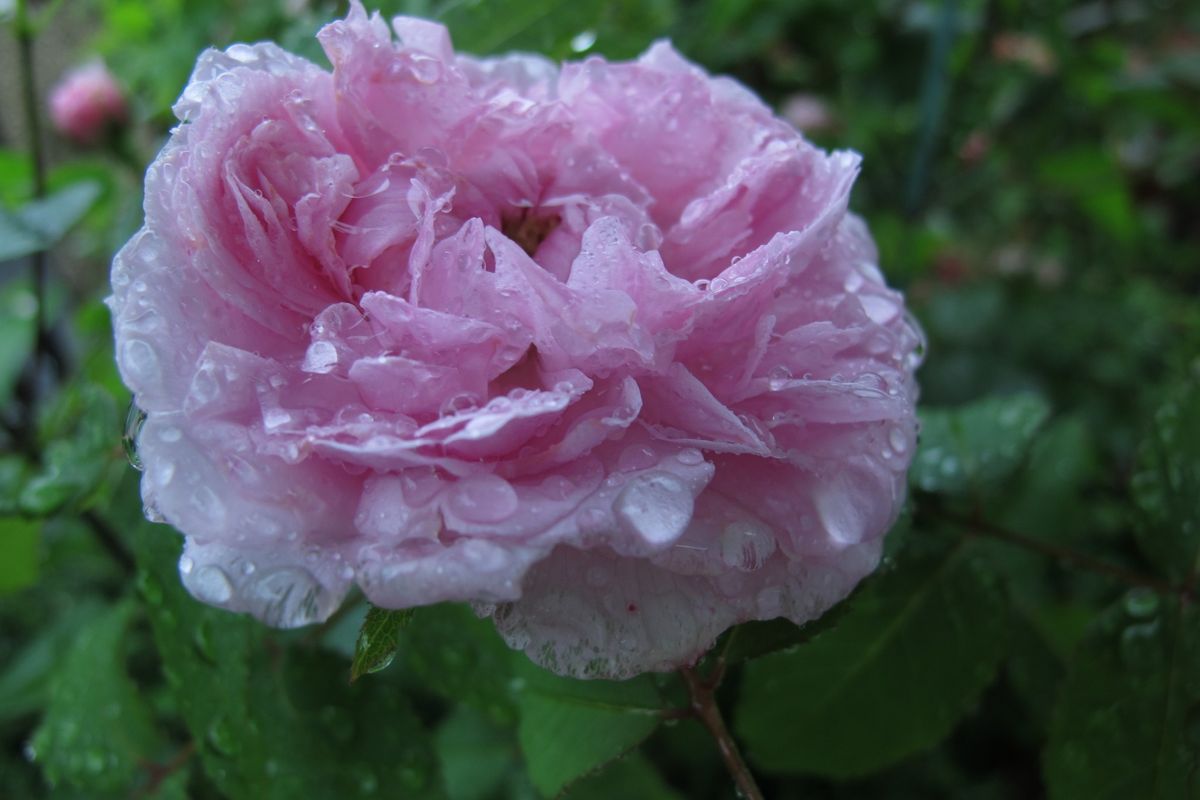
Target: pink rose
[86, 103]
[597, 348]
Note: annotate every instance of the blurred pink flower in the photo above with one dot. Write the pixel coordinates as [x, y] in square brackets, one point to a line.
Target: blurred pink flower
[86, 103]
[807, 112]
[597, 347]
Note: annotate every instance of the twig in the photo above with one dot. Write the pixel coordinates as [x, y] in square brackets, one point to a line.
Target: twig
[110, 541]
[158, 774]
[1059, 553]
[704, 706]
[23, 27]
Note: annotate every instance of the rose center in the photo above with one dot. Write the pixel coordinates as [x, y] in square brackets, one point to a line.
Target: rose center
[528, 229]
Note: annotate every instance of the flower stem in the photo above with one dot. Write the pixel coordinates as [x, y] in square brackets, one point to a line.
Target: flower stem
[704, 706]
[23, 29]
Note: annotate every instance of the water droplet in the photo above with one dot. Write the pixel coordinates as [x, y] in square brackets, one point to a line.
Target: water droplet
[897, 440]
[691, 457]
[853, 282]
[140, 360]
[483, 498]
[210, 584]
[222, 736]
[778, 378]
[459, 404]
[841, 512]
[186, 565]
[1141, 603]
[656, 506]
[170, 435]
[746, 545]
[206, 502]
[425, 69]
[202, 639]
[636, 457]
[320, 358]
[583, 41]
[135, 420]
[288, 597]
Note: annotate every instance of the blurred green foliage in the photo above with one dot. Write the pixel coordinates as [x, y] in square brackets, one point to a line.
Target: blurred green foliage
[1032, 176]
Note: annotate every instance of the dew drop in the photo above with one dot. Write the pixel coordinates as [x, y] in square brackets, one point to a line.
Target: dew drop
[1141, 603]
[636, 457]
[691, 457]
[841, 512]
[210, 584]
[483, 498]
[778, 378]
[135, 420]
[140, 360]
[897, 440]
[320, 358]
[583, 41]
[208, 505]
[746, 545]
[287, 597]
[656, 506]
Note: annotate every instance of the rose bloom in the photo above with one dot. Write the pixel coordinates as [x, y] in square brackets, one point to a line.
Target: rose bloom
[86, 103]
[596, 347]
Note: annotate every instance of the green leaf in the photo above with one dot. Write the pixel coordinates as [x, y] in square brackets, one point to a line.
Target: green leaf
[569, 728]
[449, 651]
[272, 722]
[557, 28]
[631, 776]
[25, 680]
[82, 451]
[759, 638]
[18, 308]
[1127, 721]
[378, 640]
[97, 730]
[19, 539]
[39, 224]
[978, 445]
[908, 659]
[476, 755]
[1166, 486]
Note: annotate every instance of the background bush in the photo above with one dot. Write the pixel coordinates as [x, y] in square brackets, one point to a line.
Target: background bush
[1032, 175]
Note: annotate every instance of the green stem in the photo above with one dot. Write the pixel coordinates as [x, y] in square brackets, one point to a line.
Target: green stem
[23, 26]
[1056, 552]
[704, 706]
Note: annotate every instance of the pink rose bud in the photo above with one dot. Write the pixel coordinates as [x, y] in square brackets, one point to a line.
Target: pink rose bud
[807, 112]
[597, 347]
[87, 103]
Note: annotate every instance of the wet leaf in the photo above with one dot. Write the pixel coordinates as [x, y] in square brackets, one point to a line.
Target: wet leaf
[1166, 486]
[97, 730]
[39, 224]
[378, 640]
[1127, 721]
[905, 662]
[569, 728]
[975, 446]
